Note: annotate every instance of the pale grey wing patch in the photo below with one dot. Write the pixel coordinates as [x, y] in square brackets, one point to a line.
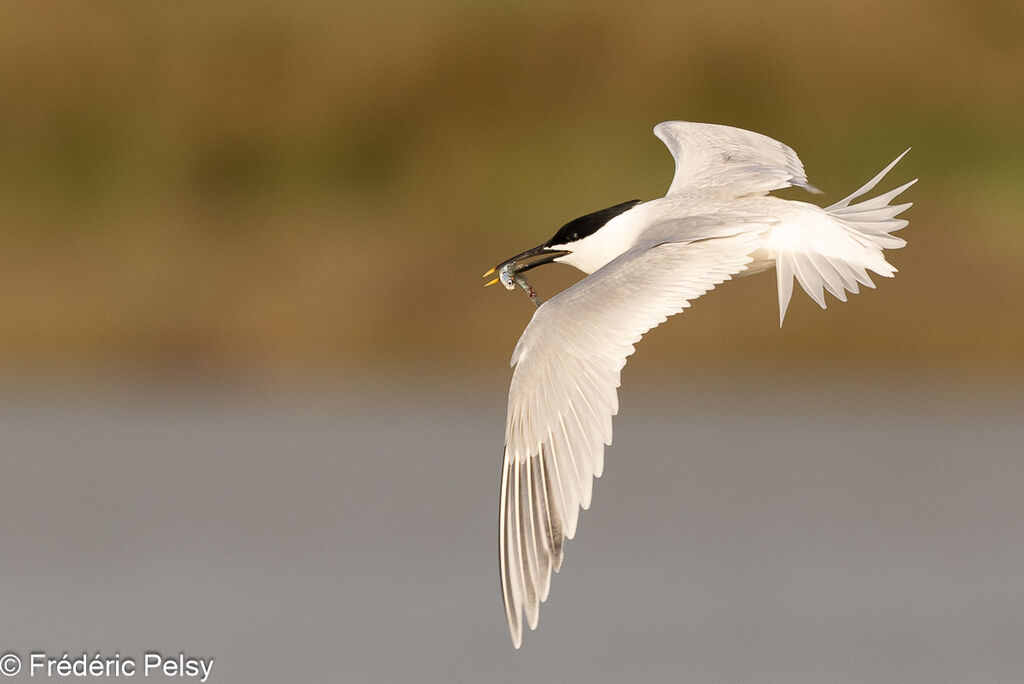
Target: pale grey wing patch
[557, 536]
[511, 585]
[711, 158]
[563, 396]
[528, 561]
[530, 538]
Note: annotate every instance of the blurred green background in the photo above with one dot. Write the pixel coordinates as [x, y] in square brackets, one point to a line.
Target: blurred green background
[286, 189]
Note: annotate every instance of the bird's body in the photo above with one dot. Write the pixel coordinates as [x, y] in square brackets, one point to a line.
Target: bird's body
[692, 216]
[647, 261]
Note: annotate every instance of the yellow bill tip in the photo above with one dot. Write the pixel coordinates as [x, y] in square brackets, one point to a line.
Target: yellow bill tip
[492, 282]
[487, 274]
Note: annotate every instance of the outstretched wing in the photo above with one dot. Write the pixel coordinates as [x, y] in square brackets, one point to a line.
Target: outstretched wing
[563, 397]
[711, 158]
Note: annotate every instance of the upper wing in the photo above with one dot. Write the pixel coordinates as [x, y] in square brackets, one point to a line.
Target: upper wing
[723, 159]
[563, 397]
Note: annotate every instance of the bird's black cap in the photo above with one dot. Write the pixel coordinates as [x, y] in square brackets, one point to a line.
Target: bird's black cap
[581, 227]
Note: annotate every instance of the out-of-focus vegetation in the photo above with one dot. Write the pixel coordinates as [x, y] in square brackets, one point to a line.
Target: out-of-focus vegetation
[291, 186]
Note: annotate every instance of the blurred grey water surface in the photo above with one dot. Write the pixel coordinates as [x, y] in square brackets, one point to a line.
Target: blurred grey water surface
[743, 532]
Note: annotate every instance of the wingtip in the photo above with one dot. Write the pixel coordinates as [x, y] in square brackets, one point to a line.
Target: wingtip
[802, 183]
[517, 640]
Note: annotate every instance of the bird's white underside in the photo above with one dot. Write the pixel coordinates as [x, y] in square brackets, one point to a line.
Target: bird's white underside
[653, 260]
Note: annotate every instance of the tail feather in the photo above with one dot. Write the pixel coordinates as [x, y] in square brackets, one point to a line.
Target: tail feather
[869, 186]
[832, 249]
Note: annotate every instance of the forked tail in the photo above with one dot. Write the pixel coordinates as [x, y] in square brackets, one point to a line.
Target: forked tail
[834, 248]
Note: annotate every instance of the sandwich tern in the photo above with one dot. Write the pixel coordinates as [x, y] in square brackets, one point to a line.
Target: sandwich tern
[646, 261]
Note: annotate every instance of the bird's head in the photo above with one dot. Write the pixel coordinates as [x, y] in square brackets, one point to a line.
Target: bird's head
[562, 244]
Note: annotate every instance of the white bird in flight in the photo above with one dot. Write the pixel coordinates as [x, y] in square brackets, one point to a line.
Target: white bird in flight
[647, 261]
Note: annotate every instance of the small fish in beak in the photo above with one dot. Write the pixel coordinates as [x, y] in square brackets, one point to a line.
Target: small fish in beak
[507, 276]
[510, 273]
